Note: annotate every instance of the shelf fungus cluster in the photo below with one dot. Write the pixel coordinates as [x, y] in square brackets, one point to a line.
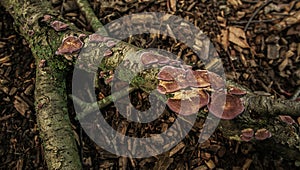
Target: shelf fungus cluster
[109, 42]
[189, 90]
[248, 134]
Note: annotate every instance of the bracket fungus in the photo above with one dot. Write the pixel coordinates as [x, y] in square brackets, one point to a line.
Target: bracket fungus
[168, 87]
[42, 63]
[59, 26]
[173, 75]
[247, 134]
[198, 78]
[188, 102]
[188, 96]
[287, 119]
[148, 58]
[46, 18]
[107, 53]
[262, 134]
[216, 81]
[186, 86]
[233, 105]
[110, 43]
[69, 45]
[95, 38]
[236, 91]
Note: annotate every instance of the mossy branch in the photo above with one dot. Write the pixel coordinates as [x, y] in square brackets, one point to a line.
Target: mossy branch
[50, 89]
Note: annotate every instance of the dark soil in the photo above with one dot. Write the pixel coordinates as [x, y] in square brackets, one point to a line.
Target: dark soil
[270, 66]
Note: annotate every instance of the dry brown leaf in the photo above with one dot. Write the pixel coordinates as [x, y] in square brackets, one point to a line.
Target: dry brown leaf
[224, 39]
[284, 63]
[238, 37]
[173, 4]
[235, 3]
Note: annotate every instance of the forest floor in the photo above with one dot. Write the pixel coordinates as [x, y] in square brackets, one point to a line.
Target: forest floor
[258, 42]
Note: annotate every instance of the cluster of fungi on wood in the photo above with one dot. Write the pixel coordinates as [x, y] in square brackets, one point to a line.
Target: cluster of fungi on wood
[260, 134]
[189, 89]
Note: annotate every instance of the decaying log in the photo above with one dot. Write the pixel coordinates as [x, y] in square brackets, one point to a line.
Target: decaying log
[109, 54]
[32, 19]
[260, 111]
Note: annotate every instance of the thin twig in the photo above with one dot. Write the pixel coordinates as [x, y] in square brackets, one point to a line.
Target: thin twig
[296, 94]
[255, 13]
[254, 21]
[7, 117]
[92, 19]
[88, 108]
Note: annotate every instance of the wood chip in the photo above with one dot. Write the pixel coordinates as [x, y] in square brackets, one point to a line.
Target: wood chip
[176, 149]
[273, 51]
[238, 37]
[21, 106]
[210, 164]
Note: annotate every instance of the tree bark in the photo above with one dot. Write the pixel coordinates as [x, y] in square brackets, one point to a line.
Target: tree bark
[50, 89]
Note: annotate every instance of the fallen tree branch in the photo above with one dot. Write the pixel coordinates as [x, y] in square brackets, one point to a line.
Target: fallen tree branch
[108, 54]
[91, 17]
[33, 19]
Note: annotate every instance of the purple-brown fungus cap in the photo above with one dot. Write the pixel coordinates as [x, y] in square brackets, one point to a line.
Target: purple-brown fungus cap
[236, 91]
[148, 58]
[96, 38]
[188, 102]
[198, 78]
[59, 26]
[168, 87]
[247, 134]
[228, 109]
[216, 81]
[262, 134]
[287, 119]
[69, 45]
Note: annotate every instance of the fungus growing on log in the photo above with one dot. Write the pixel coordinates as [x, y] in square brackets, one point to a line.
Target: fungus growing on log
[59, 26]
[247, 134]
[262, 134]
[148, 58]
[69, 45]
[46, 18]
[168, 87]
[236, 91]
[172, 79]
[287, 119]
[188, 102]
[96, 38]
[216, 81]
[42, 63]
[171, 73]
[163, 59]
[151, 58]
[198, 78]
[171, 76]
[110, 43]
[107, 53]
[233, 106]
